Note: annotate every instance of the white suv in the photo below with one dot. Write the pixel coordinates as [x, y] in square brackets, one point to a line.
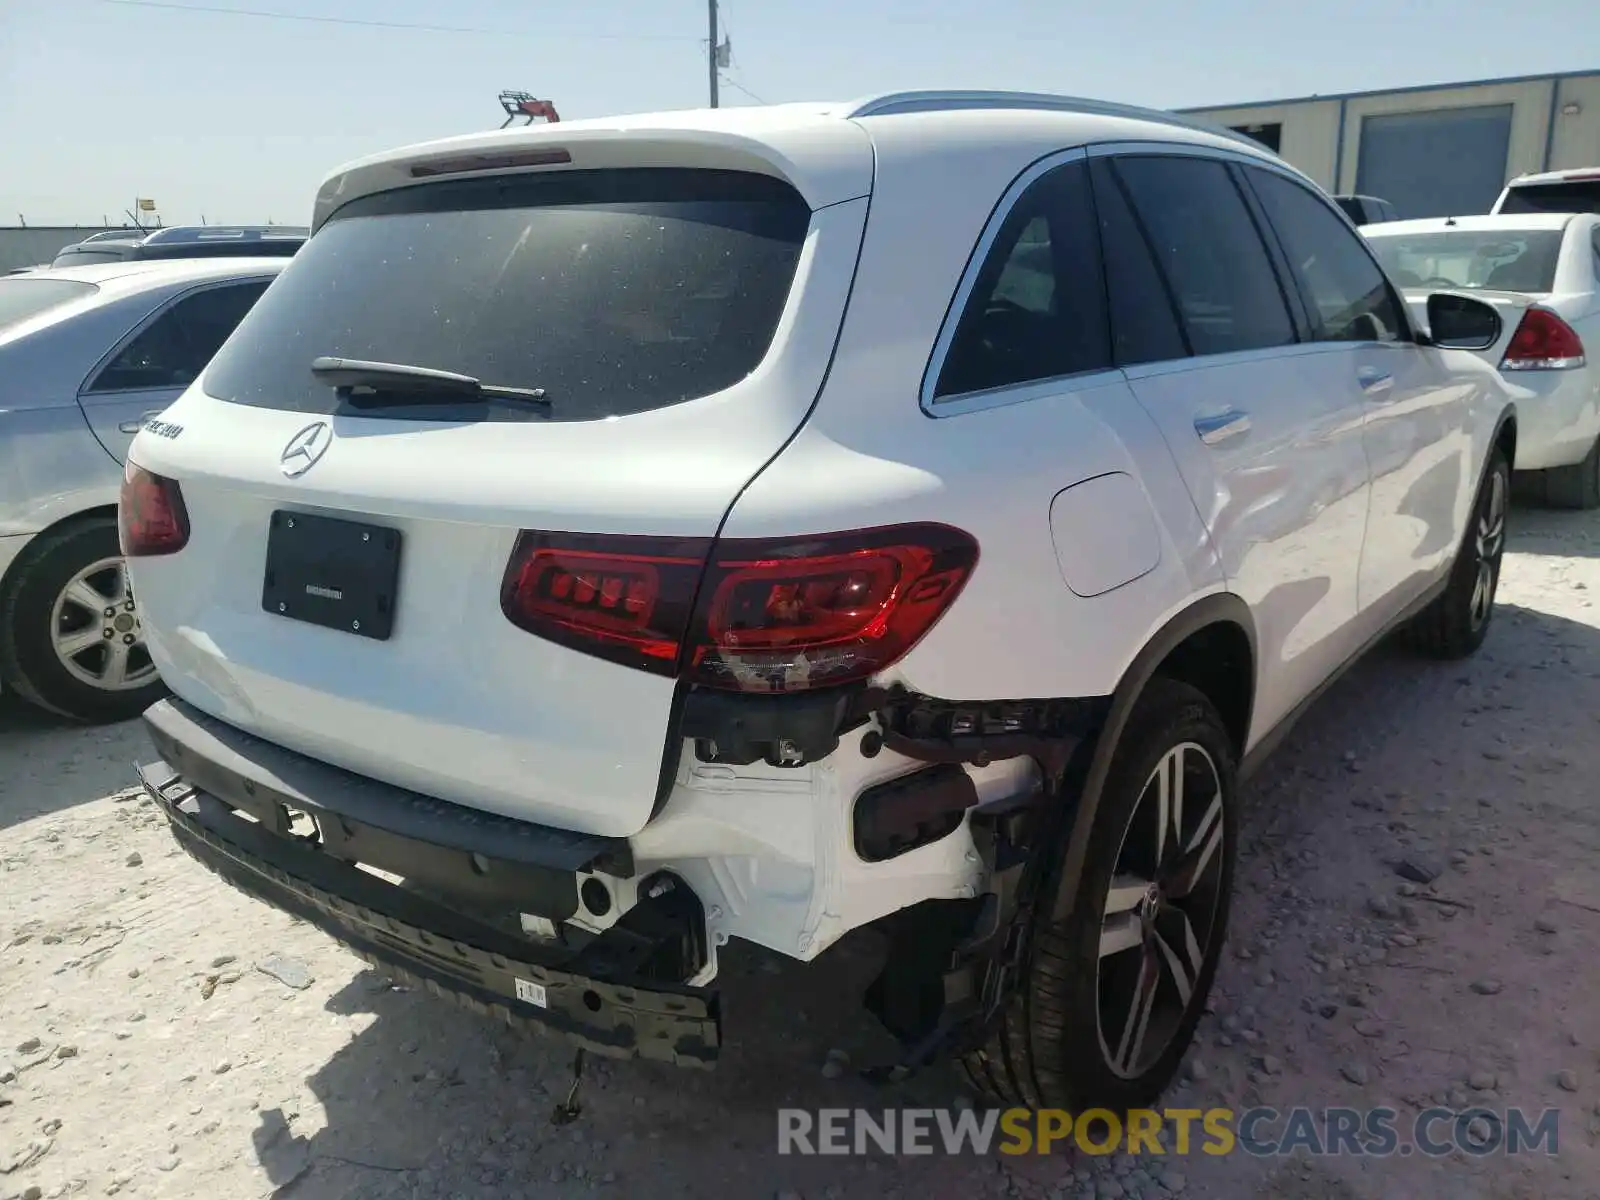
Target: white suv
[637, 534]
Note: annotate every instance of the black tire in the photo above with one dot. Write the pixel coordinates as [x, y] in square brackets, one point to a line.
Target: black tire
[1577, 486]
[1458, 620]
[29, 663]
[1048, 1050]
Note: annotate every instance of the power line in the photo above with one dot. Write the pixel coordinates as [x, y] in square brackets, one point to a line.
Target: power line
[270, 15]
[739, 87]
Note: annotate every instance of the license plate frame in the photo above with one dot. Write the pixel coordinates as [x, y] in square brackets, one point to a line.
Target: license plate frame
[332, 572]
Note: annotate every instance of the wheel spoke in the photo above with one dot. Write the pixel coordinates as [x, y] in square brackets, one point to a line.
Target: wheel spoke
[1169, 802]
[1139, 1010]
[81, 594]
[1183, 963]
[115, 671]
[1197, 855]
[70, 645]
[1125, 894]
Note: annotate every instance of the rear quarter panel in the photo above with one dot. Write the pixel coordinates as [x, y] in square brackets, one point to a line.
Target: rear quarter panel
[870, 456]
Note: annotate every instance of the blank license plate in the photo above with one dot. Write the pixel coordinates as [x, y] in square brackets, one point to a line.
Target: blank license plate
[334, 573]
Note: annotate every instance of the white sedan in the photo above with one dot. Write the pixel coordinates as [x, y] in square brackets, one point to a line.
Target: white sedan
[1542, 272]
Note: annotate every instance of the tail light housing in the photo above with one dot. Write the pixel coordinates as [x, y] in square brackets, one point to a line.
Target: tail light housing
[748, 615]
[151, 517]
[1543, 342]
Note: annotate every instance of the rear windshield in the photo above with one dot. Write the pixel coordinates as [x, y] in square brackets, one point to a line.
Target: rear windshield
[1500, 259]
[617, 292]
[23, 299]
[1578, 196]
[88, 256]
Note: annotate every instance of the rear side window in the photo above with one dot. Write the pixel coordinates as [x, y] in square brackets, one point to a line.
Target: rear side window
[1144, 316]
[617, 292]
[1207, 246]
[1345, 292]
[1579, 196]
[1037, 308]
[23, 299]
[173, 349]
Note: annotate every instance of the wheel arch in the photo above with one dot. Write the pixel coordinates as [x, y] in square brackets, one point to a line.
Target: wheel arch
[40, 538]
[1186, 648]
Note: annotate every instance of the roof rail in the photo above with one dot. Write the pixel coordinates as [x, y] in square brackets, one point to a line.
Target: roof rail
[891, 103]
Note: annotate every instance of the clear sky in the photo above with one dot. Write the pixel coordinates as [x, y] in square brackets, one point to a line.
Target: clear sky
[235, 117]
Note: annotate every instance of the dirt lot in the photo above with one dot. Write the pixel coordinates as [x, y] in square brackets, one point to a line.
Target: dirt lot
[162, 1036]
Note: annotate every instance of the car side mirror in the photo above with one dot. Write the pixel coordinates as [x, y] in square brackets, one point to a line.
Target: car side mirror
[1458, 322]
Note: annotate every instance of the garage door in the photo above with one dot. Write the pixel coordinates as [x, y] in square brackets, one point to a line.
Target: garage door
[1436, 164]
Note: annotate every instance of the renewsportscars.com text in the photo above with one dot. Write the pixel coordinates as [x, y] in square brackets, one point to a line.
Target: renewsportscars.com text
[1259, 1132]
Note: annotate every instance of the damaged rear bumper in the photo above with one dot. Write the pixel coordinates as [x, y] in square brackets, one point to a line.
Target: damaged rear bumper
[228, 798]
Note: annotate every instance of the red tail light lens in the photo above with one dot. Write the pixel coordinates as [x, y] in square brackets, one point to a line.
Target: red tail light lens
[815, 612]
[623, 599]
[1543, 342]
[772, 616]
[151, 517]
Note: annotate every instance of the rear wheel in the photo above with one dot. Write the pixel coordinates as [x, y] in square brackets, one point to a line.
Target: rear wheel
[71, 640]
[1113, 993]
[1455, 624]
[1577, 486]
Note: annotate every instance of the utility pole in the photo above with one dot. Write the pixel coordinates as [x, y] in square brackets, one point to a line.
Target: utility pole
[713, 49]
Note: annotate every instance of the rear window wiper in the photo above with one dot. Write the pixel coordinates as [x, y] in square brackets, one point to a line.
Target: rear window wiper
[417, 384]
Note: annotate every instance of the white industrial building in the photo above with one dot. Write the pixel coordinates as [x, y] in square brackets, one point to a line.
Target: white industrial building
[1436, 150]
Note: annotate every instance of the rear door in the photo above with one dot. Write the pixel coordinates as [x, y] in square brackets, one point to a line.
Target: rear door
[1413, 420]
[153, 365]
[1265, 431]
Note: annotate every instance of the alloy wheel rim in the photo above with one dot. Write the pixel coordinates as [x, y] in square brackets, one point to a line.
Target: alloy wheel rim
[96, 632]
[1489, 542]
[1160, 913]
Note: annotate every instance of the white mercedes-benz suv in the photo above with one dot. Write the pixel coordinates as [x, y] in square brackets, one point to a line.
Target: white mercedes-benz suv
[609, 539]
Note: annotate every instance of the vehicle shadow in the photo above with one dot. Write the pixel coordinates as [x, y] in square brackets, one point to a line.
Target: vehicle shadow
[48, 764]
[427, 1100]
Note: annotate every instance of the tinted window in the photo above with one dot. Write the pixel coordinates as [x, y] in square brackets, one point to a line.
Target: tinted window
[617, 292]
[1207, 246]
[1037, 308]
[1582, 196]
[23, 299]
[1515, 260]
[1345, 292]
[174, 348]
[1144, 318]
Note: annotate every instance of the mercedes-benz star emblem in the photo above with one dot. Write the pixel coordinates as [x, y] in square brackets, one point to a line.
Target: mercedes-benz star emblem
[305, 448]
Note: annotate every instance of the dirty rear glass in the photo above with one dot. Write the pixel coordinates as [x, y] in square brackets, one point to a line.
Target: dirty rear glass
[617, 292]
[1505, 260]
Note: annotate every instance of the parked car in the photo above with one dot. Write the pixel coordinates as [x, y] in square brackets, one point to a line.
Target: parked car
[614, 531]
[1541, 271]
[88, 356]
[1366, 210]
[185, 241]
[1572, 191]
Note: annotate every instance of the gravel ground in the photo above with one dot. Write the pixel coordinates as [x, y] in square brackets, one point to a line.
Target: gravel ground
[162, 1036]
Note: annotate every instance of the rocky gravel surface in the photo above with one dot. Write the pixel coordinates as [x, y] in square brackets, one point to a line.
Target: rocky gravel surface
[1418, 925]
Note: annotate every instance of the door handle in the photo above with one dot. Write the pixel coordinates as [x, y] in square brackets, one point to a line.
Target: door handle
[1221, 426]
[144, 418]
[1374, 381]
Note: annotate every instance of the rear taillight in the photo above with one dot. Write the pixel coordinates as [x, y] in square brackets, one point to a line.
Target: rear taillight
[761, 615]
[621, 598]
[1543, 342]
[151, 517]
